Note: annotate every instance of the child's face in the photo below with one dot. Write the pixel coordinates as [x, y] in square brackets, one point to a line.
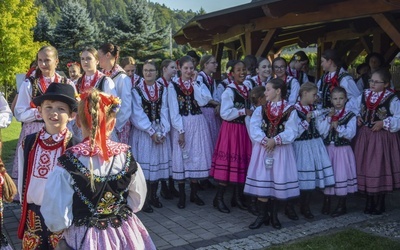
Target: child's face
[130, 69]
[47, 62]
[374, 63]
[261, 101]
[376, 83]
[309, 97]
[149, 73]
[211, 65]
[338, 100]
[56, 115]
[280, 68]
[88, 62]
[264, 69]
[239, 73]
[74, 72]
[326, 64]
[271, 94]
[187, 70]
[170, 71]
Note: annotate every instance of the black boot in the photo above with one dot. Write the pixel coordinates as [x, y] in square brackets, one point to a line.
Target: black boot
[341, 207]
[164, 192]
[154, 201]
[252, 207]
[194, 187]
[305, 197]
[172, 189]
[263, 216]
[274, 215]
[218, 201]
[369, 205]
[326, 207]
[237, 197]
[380, 205]
[290, 212]
[146, 206]
[182, 196]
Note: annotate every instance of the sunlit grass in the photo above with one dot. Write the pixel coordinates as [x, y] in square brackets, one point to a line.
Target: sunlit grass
[9, 138]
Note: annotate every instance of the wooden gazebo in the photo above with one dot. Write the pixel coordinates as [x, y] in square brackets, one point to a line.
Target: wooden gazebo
[265, 27]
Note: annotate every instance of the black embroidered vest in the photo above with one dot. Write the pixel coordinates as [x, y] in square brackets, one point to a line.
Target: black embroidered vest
[333, 136]
[239, 102]
[113, 204]
[311, 132]
[325, 90]
[209, 86]
[152, 109]
[187, 104]
[269, 129]
[379, 114]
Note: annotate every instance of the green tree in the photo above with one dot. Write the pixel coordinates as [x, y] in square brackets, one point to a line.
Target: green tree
[18, 49]
[43, 30]
[73, 31]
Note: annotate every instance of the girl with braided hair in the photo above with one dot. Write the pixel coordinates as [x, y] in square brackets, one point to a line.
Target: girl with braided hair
[102, 216]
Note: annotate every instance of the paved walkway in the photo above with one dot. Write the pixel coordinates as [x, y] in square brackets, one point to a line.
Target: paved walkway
[204, 227]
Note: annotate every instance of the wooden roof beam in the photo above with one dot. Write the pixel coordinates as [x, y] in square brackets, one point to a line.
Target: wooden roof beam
[389, 25]
[267, 42]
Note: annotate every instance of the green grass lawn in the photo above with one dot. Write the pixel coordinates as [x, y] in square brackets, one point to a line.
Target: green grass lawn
[10, 137]
[347, 239]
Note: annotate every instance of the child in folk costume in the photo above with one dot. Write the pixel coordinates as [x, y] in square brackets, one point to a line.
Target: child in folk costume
[97, 186]
[335, 76]
[7, 186]
[208, 66]
[233, 149]
[279, 66]
[264, 73]
[37, 158]
[36, 84]
[74, 71]
[338, 129]
[168, 71]
[313, 164]
[377, 144]
[150, 118]
[108, 58]
[129, 66]
[273, 127]
[295, 67]
[191, 143]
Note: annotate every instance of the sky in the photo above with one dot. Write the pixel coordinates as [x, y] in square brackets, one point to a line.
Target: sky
[195, 5]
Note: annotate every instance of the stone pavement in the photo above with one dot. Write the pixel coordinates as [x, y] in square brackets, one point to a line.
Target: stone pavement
[204, 227]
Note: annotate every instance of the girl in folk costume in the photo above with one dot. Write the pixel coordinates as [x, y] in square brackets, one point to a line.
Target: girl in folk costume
[168, 70]
[377, 144]
[374, 61]
[279, 66]
[313, 164]
[91, 78]
[191, 143]
[335, 76]
[37, 158]
[35, 85]
[221, 85]
[129, 66]
[233, 149]
[264, 70]
[338, 129]
[101, 184]
[7, 186]
[74, 71]
[108, 57]
[295, 67]
[208, 66]
[272, 173]
[150, 118]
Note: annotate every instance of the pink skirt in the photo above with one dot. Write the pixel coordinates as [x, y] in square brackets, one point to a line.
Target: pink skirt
[378, 161]
[130, 235]
[232, 154]
[344, 168]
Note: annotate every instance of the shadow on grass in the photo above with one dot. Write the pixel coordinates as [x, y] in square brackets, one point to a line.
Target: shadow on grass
[8, 153]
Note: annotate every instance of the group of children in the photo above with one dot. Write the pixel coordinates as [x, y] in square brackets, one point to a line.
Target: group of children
[266, 130]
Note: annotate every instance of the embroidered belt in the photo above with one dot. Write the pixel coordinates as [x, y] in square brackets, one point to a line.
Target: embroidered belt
[103, 221]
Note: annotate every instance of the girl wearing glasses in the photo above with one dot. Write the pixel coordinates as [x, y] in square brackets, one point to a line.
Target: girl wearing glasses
[377, 143]
[279, 66]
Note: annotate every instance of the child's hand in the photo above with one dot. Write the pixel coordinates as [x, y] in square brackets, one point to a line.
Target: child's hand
[378, 125]
[181, 140]
[332, 112]
[217, 109]
[308, 117]
[359, 121]
[334, 125]
[249, 112]
[270, 145]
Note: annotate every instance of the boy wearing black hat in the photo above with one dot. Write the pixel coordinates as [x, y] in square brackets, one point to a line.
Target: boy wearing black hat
[37, 157]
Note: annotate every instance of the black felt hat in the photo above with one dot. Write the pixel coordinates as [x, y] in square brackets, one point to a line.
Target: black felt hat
[62, 92]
